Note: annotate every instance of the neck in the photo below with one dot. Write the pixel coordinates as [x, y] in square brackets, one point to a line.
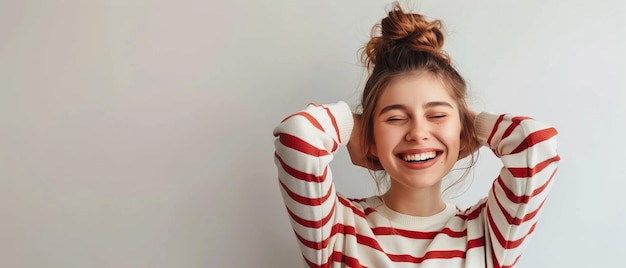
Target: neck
[415, 202]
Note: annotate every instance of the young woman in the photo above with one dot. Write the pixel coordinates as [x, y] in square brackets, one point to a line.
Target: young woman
[415, 125]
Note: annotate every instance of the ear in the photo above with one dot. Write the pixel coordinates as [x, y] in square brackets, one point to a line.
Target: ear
[373, 150]
[463, 149]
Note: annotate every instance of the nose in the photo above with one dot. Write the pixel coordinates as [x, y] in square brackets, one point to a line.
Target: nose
[418, 131]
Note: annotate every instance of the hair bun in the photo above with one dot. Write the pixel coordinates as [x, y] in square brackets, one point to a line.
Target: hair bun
[407, 29]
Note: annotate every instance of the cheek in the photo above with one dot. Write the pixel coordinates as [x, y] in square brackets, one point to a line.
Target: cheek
[452, 136]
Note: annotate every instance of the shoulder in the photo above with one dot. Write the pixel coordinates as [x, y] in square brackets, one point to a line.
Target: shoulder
[474, 212]
[362, 206]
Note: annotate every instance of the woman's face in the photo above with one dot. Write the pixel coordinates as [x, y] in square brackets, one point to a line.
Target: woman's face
[417, 131]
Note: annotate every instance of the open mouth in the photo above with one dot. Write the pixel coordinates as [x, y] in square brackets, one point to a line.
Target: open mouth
[418, 158]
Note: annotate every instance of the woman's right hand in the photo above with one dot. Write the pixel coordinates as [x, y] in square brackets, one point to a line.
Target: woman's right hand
[358, 154]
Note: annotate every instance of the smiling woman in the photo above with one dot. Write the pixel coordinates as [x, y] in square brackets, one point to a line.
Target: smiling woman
[415, 125]
[416, 119]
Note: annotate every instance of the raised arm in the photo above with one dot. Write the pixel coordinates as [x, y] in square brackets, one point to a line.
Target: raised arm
[304, 146]
[528, 152]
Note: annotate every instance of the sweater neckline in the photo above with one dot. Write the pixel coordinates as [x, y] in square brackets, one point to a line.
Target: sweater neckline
[427, 223]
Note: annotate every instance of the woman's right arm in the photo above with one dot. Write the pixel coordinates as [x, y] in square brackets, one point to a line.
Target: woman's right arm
[305, 144]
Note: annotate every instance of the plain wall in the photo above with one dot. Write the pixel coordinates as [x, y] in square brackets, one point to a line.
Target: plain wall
[139, 133]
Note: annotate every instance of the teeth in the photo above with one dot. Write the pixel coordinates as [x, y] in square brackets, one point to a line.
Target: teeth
[419, 157]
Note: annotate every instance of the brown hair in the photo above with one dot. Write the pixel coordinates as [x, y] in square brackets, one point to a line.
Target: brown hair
[407, 44]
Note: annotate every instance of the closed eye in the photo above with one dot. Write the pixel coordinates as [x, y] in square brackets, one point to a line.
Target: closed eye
[395, 119]
[437, 116]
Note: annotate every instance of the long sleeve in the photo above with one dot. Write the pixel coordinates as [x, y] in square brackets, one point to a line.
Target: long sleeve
[304, 146]
[527, 149]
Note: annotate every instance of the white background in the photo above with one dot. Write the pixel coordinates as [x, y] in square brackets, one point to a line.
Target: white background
[138, 133]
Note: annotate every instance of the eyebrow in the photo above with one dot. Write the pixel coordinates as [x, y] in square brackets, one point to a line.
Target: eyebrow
[405, 108]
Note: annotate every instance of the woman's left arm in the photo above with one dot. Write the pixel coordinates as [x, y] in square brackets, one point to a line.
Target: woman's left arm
[528, 152]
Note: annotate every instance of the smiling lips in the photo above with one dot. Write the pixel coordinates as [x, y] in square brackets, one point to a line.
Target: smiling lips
[419, 157]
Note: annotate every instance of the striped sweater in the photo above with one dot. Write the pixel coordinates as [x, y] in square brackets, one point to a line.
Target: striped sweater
[334, 231]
